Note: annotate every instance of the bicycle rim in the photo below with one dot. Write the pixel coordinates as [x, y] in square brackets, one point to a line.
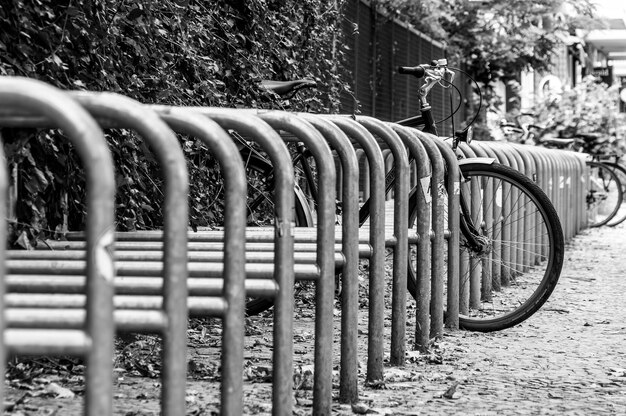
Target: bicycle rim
[604, 194]
[620, 215]
[517, 269]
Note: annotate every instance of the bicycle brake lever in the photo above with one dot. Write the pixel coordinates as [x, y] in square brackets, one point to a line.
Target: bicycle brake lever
[448, 75]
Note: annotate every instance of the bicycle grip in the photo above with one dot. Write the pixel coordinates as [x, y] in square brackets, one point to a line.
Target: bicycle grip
[418, 71]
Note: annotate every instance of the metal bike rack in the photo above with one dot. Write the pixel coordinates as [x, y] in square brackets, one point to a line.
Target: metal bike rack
[348, 380]
[21, 100]
[325, 287]
[453, 182]
[361, 137]
[558, 172]
[4, 187]
[401, 167]
[282, 236]
[204, 264]
[118, 111]
[470, 296]
[516, 230]
[123, 112]
[437, 237]
[176, 265]
[422, 220]
[323, 273]
[234, 248]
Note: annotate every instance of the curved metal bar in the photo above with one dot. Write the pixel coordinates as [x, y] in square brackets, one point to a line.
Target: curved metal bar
[465, 151]
[37, 98]
[360, 136]
[401, 234]
[517, 226]
[438, 237]
[422, 224]
[470, 293]
[453, 183]
[348, 380]
[118, 111]
[527, 225]
[4, 187]
[325, 287]
[258, 130]
[221, 144]
[531, 232]
[507, 230]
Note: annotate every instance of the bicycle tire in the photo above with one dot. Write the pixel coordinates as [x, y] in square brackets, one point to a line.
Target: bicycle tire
[620, 215]
[261, 169]
[604, 194]
[509, 283]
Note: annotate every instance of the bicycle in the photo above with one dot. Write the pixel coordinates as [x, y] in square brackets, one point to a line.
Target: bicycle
[618, 169]
[606, 179]
[508, 280]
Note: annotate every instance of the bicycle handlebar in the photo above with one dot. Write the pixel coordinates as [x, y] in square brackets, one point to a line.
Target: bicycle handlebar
[419, 71]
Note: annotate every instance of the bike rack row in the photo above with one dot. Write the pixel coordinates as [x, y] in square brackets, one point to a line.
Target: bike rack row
[72, 299]
[562, 175]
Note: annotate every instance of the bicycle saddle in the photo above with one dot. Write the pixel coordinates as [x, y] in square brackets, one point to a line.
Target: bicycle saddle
[556, 141]
[287, 87]
[590, 137]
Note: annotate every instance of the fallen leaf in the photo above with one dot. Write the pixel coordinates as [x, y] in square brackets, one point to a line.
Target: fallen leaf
[59, 391]
[450, 393]
[360, 408]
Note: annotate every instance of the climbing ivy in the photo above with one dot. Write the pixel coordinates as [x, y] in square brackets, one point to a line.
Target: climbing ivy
[176, 52]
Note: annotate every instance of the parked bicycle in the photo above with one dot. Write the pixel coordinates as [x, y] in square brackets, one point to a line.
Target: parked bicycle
[606, 179]
[511, 239]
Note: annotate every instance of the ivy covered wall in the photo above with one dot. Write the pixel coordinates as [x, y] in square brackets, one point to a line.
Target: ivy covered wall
[179, 52]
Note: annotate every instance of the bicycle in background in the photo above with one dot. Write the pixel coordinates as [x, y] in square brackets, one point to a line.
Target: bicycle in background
[606, 178]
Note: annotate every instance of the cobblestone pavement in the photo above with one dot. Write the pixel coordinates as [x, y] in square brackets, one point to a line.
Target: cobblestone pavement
[570, 358]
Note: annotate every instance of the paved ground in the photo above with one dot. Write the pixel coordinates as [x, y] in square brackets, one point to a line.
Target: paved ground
[570, 358]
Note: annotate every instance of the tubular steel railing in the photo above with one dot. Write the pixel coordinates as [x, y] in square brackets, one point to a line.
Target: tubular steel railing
[94, 338]
[165, 276]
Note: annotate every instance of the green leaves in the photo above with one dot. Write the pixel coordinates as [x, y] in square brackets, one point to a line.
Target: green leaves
[177, 52]
[497, 40]
[589, 108]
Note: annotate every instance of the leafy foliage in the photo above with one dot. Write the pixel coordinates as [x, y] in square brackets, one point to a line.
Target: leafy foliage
[496, 39]
[176, 52]
[588, 112]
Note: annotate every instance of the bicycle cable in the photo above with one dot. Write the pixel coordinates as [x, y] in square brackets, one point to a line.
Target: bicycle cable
[458, 107]
[480, 95]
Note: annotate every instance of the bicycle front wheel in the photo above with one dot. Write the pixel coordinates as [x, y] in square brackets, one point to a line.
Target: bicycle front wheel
[511, 262]
[604, 194]
[620, 215]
